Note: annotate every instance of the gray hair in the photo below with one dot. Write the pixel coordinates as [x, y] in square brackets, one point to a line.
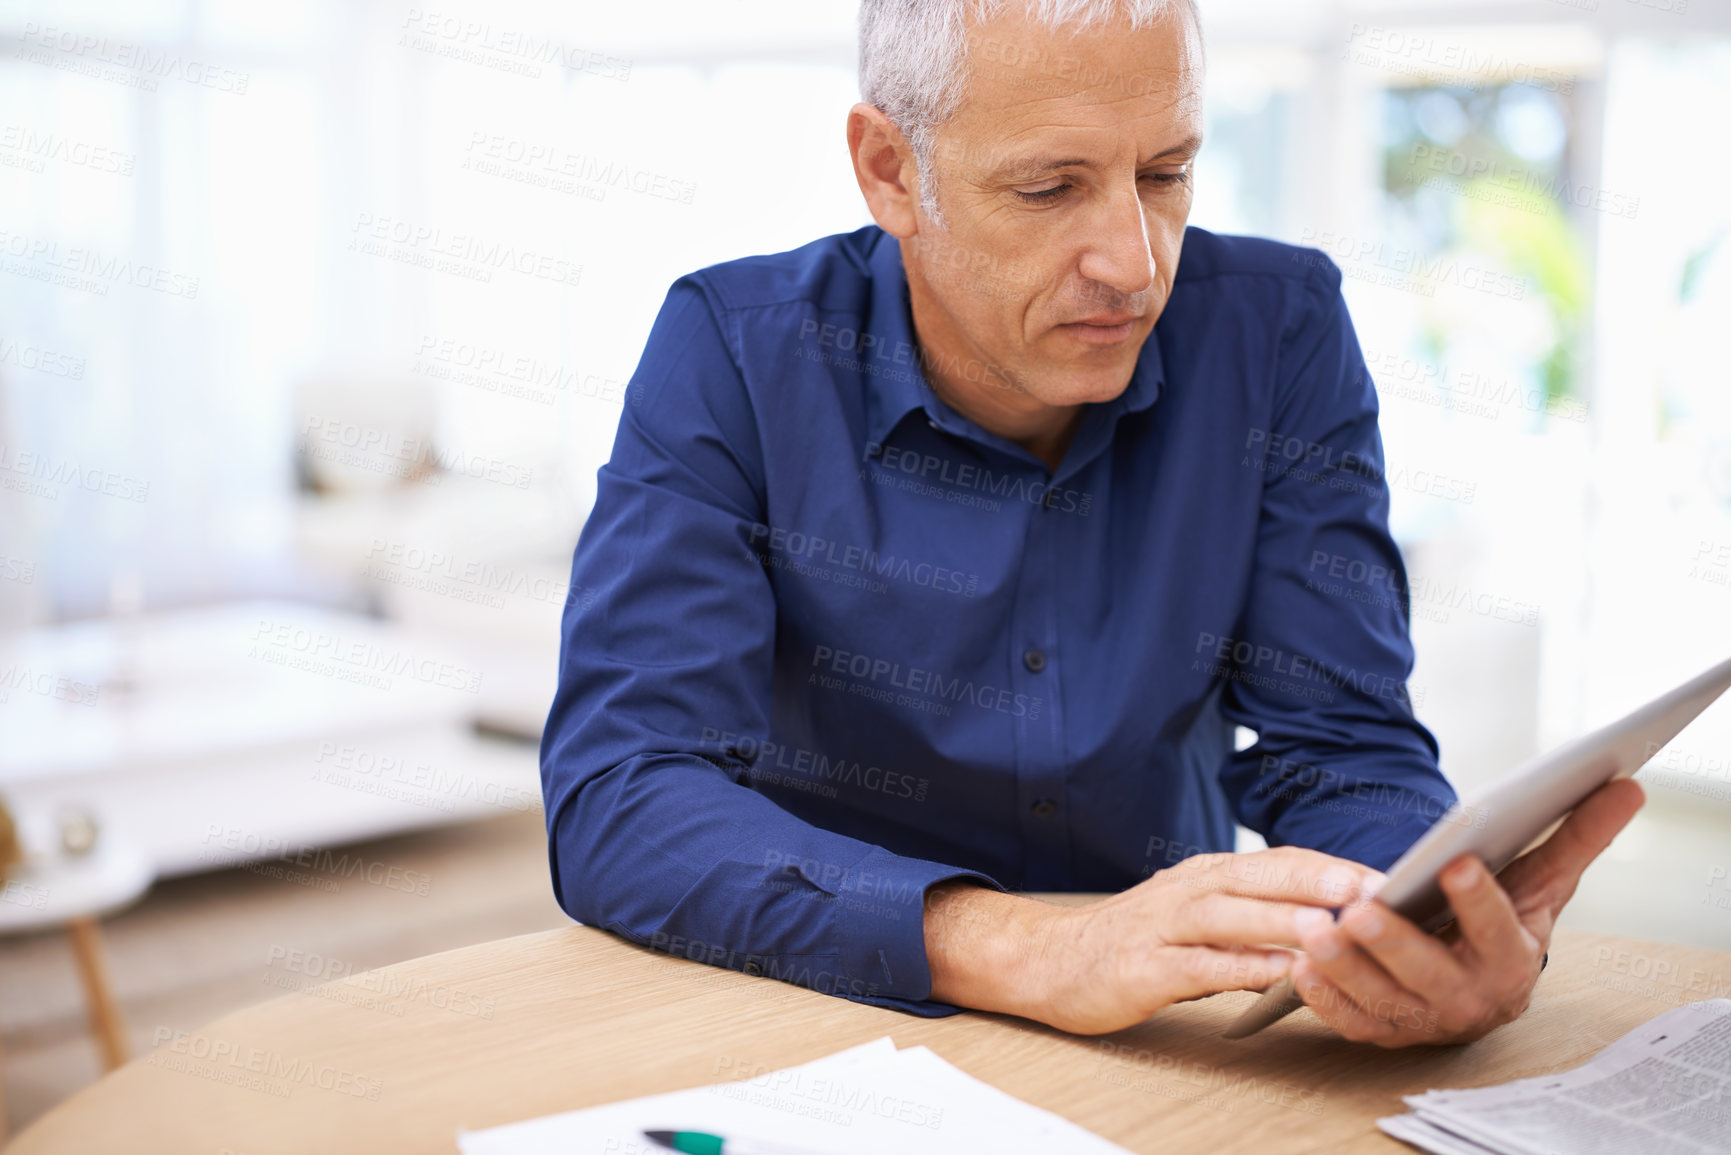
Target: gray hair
[913, 57]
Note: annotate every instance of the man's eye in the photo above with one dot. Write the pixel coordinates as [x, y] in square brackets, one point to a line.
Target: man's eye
[1048, 195]
[1045, 195]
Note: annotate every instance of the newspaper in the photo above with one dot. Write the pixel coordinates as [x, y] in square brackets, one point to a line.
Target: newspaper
[1662, 1089]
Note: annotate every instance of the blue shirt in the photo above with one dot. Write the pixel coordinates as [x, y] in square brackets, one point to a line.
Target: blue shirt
[829, 641]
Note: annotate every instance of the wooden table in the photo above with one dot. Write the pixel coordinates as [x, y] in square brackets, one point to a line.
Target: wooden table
[398, 1059]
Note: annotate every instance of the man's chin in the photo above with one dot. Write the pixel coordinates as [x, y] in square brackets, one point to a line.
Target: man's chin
[1078, 385]
[1089, 379]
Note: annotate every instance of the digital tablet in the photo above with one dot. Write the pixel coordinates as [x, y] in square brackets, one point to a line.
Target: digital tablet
[1502, 819]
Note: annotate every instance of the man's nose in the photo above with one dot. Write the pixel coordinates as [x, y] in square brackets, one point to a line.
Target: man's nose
[1117, 253]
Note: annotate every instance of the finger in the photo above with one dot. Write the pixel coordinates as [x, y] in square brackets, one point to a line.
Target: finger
[1336, 1008]
[1193, 972]
[1287, 873]
[1487, 918]
[1225, 920]
[1417, 961]
[1550, 872]
[1387, 1008]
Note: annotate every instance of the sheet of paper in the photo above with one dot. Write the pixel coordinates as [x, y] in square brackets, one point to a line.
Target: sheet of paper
[1420, 1133]
[862, 1101]
[1664, 1087]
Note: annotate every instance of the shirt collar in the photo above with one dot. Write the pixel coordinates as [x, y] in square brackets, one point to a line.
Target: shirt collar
[898, 384]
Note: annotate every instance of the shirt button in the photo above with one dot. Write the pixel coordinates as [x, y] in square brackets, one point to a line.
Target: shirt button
[1045, 808]
[754, 968]
[1035, 660]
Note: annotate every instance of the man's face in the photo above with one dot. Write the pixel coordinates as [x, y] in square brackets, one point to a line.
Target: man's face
[1064, 187]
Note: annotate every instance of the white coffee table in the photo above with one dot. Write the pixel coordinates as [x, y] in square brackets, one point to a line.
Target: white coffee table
[251, 729]
[74, 891]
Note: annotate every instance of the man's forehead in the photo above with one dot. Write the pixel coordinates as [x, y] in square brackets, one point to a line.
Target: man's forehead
[1109, 60]
[1024, 80]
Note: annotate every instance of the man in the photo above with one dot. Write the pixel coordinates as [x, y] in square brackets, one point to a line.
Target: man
[945, 556]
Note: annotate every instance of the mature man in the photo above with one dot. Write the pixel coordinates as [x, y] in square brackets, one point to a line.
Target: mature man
[945, 556]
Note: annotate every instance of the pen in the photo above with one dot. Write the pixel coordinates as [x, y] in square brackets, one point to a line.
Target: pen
[701, 1143]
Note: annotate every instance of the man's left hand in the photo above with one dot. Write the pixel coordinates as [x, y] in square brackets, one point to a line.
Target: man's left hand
[1375, 977]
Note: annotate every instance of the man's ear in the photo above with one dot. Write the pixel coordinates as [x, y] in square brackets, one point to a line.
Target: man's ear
[883, 163]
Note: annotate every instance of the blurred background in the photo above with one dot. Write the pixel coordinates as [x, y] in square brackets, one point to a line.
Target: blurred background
[316, 322]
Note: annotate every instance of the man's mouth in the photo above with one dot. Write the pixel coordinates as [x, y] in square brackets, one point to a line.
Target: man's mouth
[1105, 329]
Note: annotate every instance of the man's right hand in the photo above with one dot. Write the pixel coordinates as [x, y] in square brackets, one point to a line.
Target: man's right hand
[1197, 928]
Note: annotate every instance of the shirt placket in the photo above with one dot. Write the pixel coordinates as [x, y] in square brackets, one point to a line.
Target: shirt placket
[1036, 667]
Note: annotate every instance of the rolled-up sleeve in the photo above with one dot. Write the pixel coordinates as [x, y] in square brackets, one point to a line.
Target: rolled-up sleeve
[1319, 663]
[668, 633]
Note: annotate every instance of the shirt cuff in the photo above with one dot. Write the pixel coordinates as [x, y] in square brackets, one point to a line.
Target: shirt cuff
[882, 930]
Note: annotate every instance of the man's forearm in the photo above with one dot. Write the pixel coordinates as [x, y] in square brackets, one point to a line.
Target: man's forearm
[1214, 922]
[982, 947]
